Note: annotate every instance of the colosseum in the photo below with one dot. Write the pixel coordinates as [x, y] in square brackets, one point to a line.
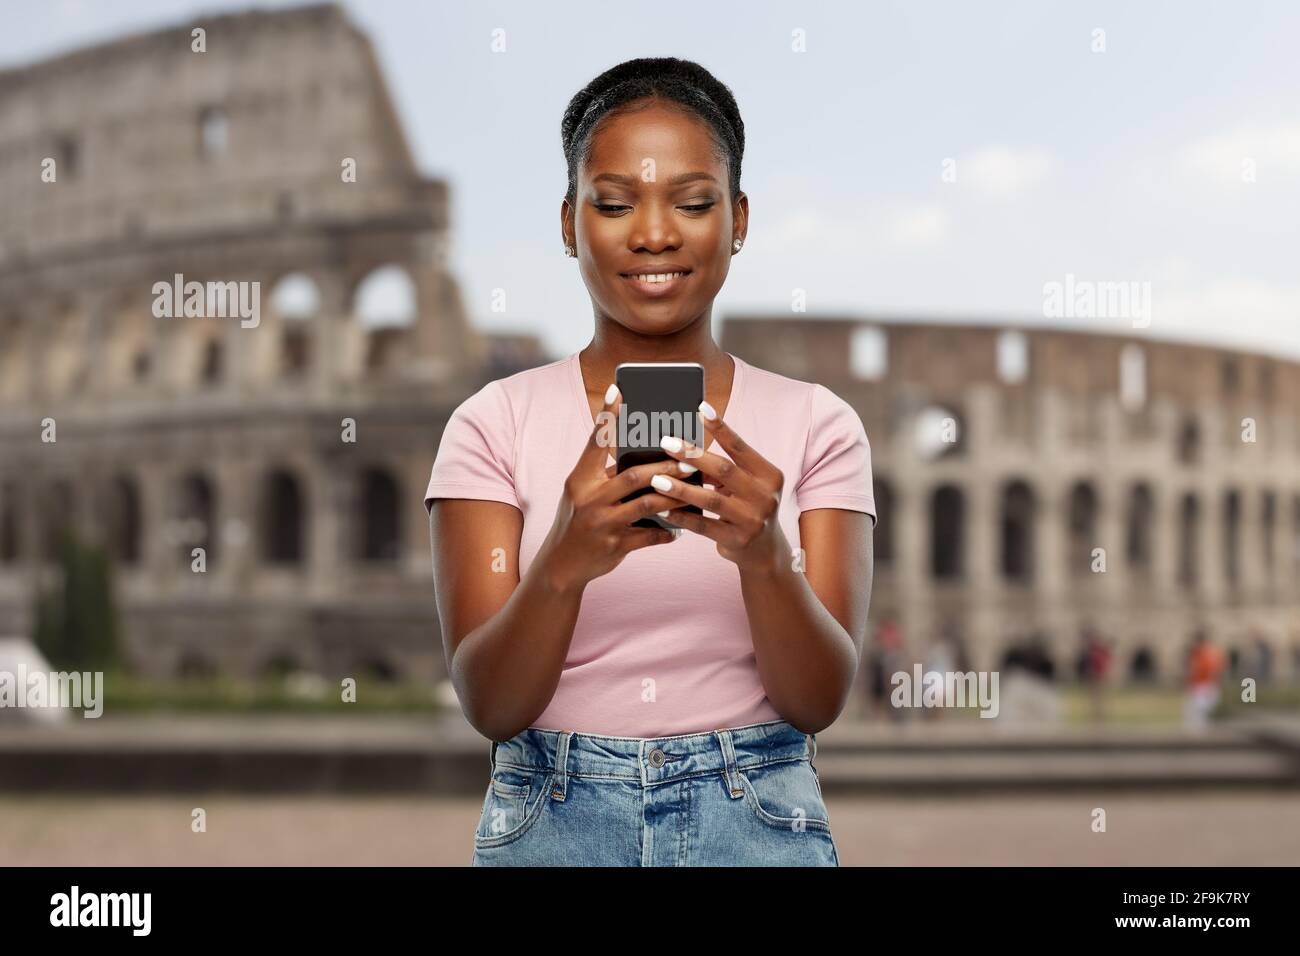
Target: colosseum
[1033, 483]
[274, 158]
[1028, 481]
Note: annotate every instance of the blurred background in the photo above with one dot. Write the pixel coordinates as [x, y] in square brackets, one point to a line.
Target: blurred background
[1047, 254]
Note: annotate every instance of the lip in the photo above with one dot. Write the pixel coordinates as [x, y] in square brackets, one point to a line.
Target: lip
[655, 290]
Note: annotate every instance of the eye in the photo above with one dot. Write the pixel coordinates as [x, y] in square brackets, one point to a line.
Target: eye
[701, 207]
[605, 207]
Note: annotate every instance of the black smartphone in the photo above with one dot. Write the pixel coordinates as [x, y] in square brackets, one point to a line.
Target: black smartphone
[658, 398]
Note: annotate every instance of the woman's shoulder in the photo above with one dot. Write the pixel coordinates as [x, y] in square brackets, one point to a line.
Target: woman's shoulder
[780, 397]
[505, 398]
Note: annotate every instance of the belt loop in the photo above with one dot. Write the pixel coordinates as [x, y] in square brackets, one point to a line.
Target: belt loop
[812, 747]
[559, 790]
[730, 774]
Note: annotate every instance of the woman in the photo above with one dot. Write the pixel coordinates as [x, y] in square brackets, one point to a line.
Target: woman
[652, 696]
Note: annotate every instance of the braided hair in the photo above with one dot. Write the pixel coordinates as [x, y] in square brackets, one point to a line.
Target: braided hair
[681, 81]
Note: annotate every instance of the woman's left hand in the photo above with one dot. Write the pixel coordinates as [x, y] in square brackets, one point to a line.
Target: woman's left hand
[746, 496]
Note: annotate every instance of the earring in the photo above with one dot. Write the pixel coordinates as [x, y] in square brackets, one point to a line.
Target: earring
[735, 246]
[570, 252]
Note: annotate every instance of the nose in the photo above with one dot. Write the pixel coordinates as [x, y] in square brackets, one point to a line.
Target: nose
[653, 229]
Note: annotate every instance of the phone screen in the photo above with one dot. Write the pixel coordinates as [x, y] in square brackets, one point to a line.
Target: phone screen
[659, 398]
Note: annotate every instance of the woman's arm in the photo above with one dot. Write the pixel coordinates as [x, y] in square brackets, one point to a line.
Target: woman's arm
[505, 638]
[808, 627]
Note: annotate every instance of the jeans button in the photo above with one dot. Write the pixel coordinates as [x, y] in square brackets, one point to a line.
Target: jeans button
[656, 758]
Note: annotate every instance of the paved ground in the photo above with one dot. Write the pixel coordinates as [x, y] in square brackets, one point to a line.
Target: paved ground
[1207, 829]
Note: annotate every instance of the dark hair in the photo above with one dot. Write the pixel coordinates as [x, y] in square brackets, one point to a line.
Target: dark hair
[681, 81]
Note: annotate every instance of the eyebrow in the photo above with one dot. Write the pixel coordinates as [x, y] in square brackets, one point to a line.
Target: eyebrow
[676, 180]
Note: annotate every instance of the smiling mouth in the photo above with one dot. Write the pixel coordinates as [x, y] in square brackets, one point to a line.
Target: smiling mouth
[656, 284]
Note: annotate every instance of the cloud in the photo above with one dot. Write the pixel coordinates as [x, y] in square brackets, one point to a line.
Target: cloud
[1190, 302]
[1226, 159]
[1003, 172]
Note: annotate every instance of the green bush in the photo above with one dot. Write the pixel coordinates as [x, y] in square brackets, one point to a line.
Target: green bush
[76, 623]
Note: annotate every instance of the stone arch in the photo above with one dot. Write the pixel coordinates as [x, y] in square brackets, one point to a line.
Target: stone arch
[380, 537]
[282, 520]
[1189, 540]
[1143, 668]
[10, 524]
[947, 533]
[1268, 532]
[122, 515]
[1295, 539]
[67, 363]
[386, 297]
[15, 358]
[57, 515]
[1232, 537]
[1083, 510]
[1189, 442]
[1139, 521]
[195, 520]
[130, 358]
[295, 301]
[295, 295]
[1016, 518]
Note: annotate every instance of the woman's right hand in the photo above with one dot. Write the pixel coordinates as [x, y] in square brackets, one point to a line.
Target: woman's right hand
[592, 532]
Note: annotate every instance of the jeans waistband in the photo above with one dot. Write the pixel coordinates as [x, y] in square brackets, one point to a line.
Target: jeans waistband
[652, 760]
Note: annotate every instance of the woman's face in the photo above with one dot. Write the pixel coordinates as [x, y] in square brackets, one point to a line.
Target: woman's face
[654, 196]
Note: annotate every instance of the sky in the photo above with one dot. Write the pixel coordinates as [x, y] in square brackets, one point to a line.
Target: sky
[923, 161]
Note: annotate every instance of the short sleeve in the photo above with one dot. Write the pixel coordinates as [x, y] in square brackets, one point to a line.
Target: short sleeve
[476, 451]
[837, 459]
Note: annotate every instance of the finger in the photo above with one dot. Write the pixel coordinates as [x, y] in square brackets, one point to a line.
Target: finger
[633, 479]
[730, 509]
[741, 452]
[645, 537]
[714, 466]
[604, 434]
[643, 507]
[682, 468]
[698, 524]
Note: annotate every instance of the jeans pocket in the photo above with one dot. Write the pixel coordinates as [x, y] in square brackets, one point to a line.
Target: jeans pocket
[514, 799]
[786, 795]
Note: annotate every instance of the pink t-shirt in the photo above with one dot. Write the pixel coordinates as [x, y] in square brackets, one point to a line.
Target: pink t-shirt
[662, 645]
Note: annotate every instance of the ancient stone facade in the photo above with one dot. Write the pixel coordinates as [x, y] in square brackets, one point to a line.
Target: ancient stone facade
[171, 434]
[1012, 465]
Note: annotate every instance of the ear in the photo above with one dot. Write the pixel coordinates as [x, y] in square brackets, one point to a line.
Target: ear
[567, 237]
[740, 213]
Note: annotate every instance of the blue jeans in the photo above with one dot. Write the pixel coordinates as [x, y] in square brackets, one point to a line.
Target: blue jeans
[744, 796]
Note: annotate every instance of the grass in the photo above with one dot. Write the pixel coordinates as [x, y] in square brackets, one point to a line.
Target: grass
[129, 694]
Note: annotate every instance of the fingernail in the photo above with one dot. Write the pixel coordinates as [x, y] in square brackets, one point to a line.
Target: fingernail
[677, 533]
[610, 393]
[707, 411]
[662, 514]
[662, 482]
[686, 469]
[670, 443]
